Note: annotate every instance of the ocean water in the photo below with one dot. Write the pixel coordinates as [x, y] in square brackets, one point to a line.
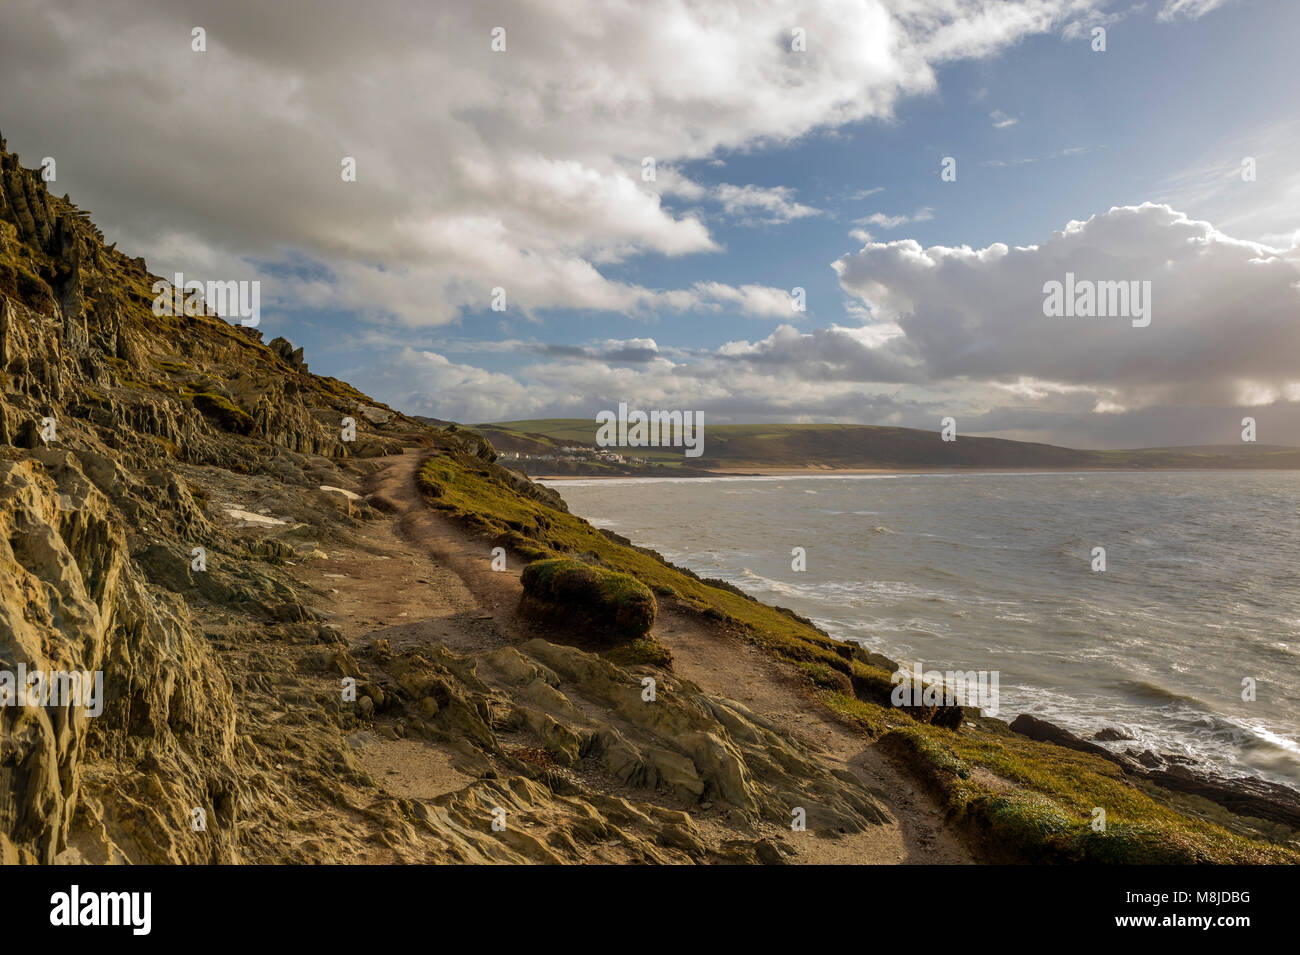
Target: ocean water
[994, 572]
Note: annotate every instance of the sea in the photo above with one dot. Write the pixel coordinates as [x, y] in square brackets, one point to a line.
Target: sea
[1188, 640]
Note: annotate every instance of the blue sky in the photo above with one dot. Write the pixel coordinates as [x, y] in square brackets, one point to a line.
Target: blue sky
[521, 168]
[1104, 130]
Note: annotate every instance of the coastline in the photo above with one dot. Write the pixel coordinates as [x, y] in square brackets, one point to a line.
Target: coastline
[1236, 792]
[982, 774]
[852, 472]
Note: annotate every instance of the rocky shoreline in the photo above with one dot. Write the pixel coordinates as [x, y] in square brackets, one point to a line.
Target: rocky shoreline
[1242, 795]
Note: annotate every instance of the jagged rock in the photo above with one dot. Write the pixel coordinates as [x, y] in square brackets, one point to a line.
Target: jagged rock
[696, 746]
[1109, 734]
[291, 355]
[375, 415]
[1046, 732]
[71, 600]
[1246, 797]
[1147, 758]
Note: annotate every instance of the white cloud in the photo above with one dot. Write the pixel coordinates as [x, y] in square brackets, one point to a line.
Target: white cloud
[1026, 160]
[475, 169]
[1223, 309]
[746, 205]
[1248, 185]
[450, 390]
[1001, 120]
[883, 221]
[956, 330]
[766, 205]
[1081, 26]
[1192, 9]
[760, 301]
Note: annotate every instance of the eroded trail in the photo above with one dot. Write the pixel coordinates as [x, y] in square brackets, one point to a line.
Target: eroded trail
[419, 579]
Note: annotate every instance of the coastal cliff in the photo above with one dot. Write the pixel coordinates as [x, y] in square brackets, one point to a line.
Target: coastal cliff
[306, 610]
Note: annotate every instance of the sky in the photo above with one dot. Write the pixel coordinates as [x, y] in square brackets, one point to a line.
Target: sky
[647, 192]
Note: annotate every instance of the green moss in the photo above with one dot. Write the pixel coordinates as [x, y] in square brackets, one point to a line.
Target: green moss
[169, 448]
[481, 496]
[27, 286]
[228, 415]
[931, 748]
[611, 603]
[876, 720]
[825, 677]
[1035, 802]
[871, 682]
[268, 549]
[198, 492]
[645, 651]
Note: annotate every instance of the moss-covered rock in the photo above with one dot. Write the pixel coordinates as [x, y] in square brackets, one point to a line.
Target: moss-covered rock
[646, 651]
[228, 415]
[603, 602]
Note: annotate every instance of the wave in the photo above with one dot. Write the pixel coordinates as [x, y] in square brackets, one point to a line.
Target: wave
[1159, 694]
[778, 478]
[718, 479]
[999, 571]
[837, 591]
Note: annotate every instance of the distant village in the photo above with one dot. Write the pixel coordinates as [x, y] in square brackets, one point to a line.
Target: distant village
[574, 454]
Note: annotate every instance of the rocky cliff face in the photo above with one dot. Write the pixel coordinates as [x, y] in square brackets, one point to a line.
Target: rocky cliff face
[165, 482]
[109, 415]
[72, 600]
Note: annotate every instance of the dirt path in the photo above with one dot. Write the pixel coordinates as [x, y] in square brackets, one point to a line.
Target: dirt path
[419, 578]
[723, 665]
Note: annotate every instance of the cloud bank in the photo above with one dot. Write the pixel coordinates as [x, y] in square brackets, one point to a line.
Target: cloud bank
[956, 330]
[476, 168]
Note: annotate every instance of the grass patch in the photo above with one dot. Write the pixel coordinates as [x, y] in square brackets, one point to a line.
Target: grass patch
[824, 677]
[876, 720]
[486, 498]
[645, 651]
[228, 415]
[1034, 802]
[604, 602]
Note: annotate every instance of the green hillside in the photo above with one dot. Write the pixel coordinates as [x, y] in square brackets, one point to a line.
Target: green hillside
[740, 446]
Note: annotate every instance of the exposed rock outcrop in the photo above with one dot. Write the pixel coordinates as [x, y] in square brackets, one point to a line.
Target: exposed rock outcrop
[72, 602]
[1244, 796]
